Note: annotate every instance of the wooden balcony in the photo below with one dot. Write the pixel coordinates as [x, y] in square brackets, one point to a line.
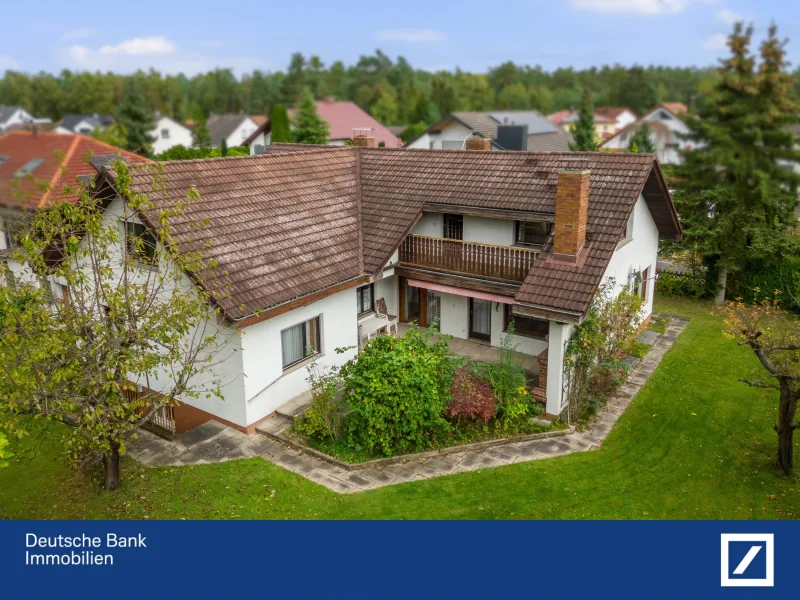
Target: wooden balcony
[471, 259]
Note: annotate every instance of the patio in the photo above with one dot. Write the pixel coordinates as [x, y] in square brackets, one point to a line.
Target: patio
[483, 352]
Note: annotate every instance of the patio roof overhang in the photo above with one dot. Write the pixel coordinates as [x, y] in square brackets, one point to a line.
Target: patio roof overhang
[449, 289]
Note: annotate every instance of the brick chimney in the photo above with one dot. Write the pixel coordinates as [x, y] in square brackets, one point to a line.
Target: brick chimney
[572, 209]
[364, 140]
[478, 143]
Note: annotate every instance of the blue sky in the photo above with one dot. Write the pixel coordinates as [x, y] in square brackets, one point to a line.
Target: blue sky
[174, 36]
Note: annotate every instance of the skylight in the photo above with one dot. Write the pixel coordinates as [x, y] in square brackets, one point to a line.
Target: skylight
[28, 167]
[3, 159]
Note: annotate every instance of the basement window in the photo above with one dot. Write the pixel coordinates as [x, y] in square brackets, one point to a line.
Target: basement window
[526, 326]
[300, 342]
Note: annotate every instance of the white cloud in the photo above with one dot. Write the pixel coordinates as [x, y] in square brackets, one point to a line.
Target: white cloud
[641, 7]
[717, 42]
[729, 17]
[409, 35]
[6, 62]
[144, 53]
[140, 46]
[78, 34]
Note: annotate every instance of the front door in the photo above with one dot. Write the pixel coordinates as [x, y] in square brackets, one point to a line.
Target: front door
[480, 319]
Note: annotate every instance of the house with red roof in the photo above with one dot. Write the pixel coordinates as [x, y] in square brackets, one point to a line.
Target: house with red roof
[38, 170]
[346, 121]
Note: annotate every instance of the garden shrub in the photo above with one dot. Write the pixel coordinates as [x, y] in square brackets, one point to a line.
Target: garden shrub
[472, 399]
[767, 277]
[671, 283]
[324, 418]
[597, 344]
[397, 391]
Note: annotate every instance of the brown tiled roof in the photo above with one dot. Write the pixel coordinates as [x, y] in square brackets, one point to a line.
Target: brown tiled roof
[611, 112]
[301, 218]
[616, 180]
[282, 226]
[676, 108]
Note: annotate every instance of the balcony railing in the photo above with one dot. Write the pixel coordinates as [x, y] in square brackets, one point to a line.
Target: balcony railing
[473, 259]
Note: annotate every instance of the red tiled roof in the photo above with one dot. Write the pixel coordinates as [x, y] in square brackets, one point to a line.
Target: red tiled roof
[676, 108]
[65, 157]
[259, 119]
[557, 118]
[612, 112]
[346, 116]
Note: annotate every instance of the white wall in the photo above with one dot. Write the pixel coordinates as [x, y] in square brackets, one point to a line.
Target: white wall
[388, 289]
[228, 356]
[262, 139]
[624, 119]
[178, 135]
[262, 358]
[430, 224]
[454, 315]
[558, 339]
[454, 132]
[637, 254]
[489, 231]
[524, 344]
[242, 132]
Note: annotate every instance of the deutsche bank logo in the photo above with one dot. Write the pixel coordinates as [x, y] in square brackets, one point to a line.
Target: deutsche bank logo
[748, 559]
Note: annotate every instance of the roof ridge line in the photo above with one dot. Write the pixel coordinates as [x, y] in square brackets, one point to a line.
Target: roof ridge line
[60, 170]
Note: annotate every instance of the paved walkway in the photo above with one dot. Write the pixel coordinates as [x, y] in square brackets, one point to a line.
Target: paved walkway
[214, 442]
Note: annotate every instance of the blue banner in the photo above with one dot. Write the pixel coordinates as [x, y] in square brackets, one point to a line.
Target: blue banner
[324, 559]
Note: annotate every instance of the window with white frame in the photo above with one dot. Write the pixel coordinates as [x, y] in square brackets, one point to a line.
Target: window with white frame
[627, 235]
[300, 342]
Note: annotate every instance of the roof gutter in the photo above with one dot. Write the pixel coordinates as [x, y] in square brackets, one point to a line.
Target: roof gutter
[576, 316]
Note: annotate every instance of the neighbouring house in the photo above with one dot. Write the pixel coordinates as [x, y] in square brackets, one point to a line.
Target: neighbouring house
[313, 242]
[620, 116]
[666, 131]
[603, 126]
[259, 119]
[15, 117]
[168, 133]
[520, 130]
[83, 124]
[346, 121]
[234, 129]
[37, 169]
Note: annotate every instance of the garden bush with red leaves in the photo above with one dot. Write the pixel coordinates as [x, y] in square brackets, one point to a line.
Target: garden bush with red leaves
[472, 399]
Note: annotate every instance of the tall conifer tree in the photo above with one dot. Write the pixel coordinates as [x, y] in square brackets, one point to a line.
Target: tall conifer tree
[310, 128]
[737, 197]
[583, 133]
[136, 118]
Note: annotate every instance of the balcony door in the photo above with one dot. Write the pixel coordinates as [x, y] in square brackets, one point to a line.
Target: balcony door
[433, 310]
[480, 319]
[453, 227]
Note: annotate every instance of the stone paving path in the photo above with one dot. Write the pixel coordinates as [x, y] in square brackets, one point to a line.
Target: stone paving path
[213, 442]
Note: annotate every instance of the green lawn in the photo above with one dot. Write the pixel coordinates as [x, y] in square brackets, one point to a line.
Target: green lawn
[695, 443]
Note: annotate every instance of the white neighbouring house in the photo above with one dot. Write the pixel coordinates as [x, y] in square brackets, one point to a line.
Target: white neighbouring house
[309, 239]
[168, 133]
[13, 117]
[234, 129]
[666, 130]
[454, 131]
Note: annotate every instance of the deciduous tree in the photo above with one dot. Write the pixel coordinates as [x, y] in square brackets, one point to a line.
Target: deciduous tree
[774, 336]
[128, 316]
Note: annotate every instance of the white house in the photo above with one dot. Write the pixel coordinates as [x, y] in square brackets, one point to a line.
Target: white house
[234, 129]
[453, 131]
[168, 133]
[312, 242]
[666, 128]
[11, 116]
[83, 124]
[620, 116]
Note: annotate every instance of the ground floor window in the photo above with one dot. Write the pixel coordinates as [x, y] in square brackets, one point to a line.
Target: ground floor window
[300, 341]
[365, 299]
[526, 326]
